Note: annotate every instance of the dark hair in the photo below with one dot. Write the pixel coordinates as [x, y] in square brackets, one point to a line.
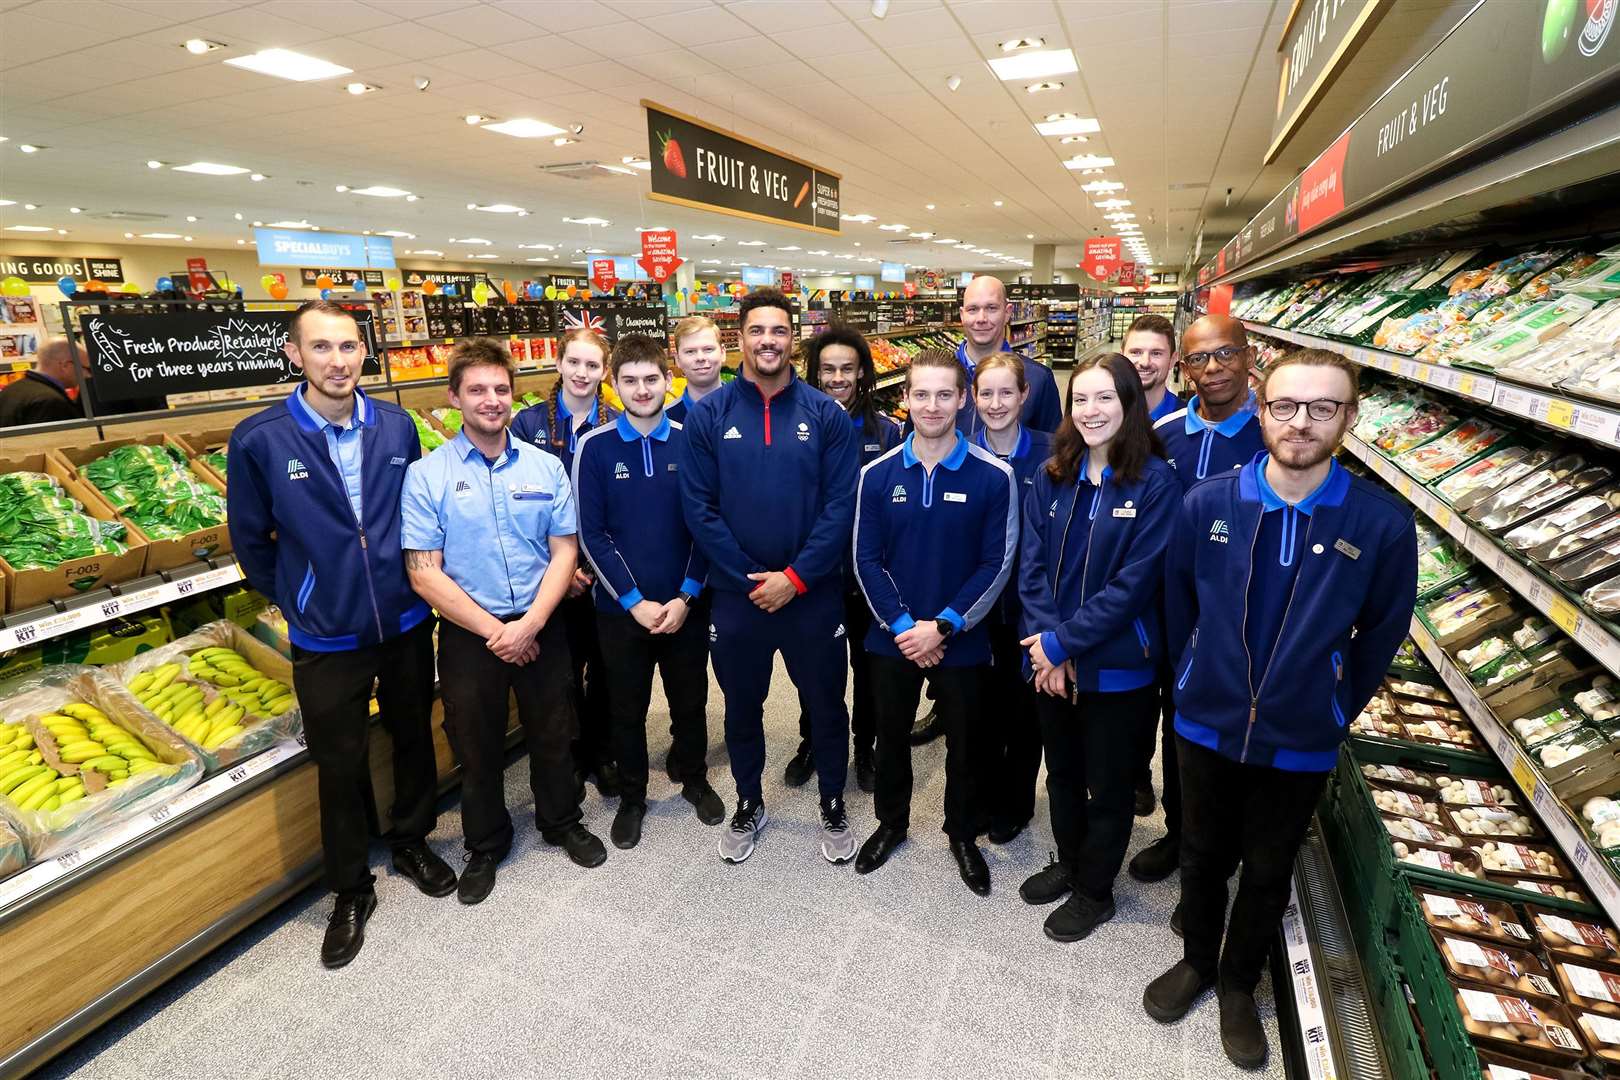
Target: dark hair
[638, 349]
[762, 298]
[1152, 324]
[320, 307]
[1136, 442]
[479, 352]
[938, 358]
[860, 405]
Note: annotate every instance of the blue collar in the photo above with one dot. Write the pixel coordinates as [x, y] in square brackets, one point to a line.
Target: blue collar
[591, 421]
[1228, 427]
[47, 378]
[966, 361]
[628, 432]
[1330, 491]
[1020, 448]
[749, 386]
[1081, 475]
[951, 461]
[365, 413]
[465, 448]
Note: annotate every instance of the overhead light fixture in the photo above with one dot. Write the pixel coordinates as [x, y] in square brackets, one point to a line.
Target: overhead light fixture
[31, 148]
[1068, 124]
[188, 239]
[290, 225]
[341, 188]
[538, 247]
[426, 251]
[1102, 185]
[620, 169]
[1042, 87]
[358, 88]
[750, 243]
[286, 64]
[996, 203]
[651, 228]
[948, 240]
[8, 202]
[154, 164]
[80, 210]
[476, 240]
[396, 234]
[499, 208]
[710, 262]
[29, 228]
[1120, 215]
[380, 191]
[197, 46]
[238, 217]
[160, 236]
[587, 221]
[1029, 236]
[921, 235]
[928, 206]
[1073, 139]
[412, 198]
[1017, 44]
[1113, 204]
[637, 163]
[819, 252]
[483, 256]
[893, 228]
[524, 128]
[1088, 161]
[209, 168]
[965, 247]
[862, 218]
[1034, 65]
[473, 119]
[595, 251]
[708, 236]
[256, 177]
[880, 8]
[953, 82]
[790, 247]
[563, 140]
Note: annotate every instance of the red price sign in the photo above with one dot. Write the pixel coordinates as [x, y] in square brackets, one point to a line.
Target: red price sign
[658, 256]
[911, 290]
[602, 275]
[787, 282]
[1102, 256]
[201, 279]
[1127, 273]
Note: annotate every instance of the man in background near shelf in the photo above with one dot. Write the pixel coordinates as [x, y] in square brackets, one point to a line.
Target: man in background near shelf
[41, 395]
[315, 481]
[701, 358]
[768, 485]
[1150, 343]
[1271, 570]
[1217, 431]
[985, 315]
[491, 542]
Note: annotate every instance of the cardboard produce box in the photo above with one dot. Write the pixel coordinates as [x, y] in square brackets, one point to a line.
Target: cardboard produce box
[162, 554]
[31, 587]
[205, 441]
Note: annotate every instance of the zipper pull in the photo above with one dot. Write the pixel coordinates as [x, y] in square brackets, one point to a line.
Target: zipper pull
[1254, 705]
[362, 538]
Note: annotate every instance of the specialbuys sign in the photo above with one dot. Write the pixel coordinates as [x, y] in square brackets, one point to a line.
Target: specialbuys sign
[296, 247]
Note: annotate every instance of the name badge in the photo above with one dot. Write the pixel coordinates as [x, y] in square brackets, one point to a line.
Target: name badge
[1125, 511]
[956, 496]
[530, 491]
[1346, 548]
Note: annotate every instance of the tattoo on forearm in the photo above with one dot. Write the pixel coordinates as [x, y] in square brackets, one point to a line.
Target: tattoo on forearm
[419, 560]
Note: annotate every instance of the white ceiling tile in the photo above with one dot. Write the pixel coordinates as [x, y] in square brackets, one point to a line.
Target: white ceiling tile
[483, 64]
[29, 38]
[750, 48]
[178, 11]
[776, 17]
[480, 25]
[415, 9]
[412, 40]
[909, 29]
[1009, 18]
[834, 39]
[623, 39]
[549, 51]
[700, 26]
[555, 17]
[336, 17]
[603, 73]
[674, 65]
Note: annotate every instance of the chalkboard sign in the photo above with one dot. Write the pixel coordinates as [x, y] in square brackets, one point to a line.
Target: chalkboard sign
[614, 320]
[143, 356]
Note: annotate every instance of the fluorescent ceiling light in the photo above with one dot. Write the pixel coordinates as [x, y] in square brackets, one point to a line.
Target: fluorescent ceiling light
[1103, 185]
[209, 168]
[708, 236]
[30, 148]
[862, 218]
[620, 169]
[965, 247]
[1029, 236]
[921, 235]
[651, 228]
[1120, 215]
[256, 177]
[286, 64]
[1068, 124]
[893, 228]
[397, 234]
[537, 258]
[711, 262]
[380, 191]
[587, 221]
[426, 251]
[750, 243]
[483, 256]
[1088, 161]
[595, 251]
[637, 163]
[289, 225]
[524, 128]
[155, 235]
[477, 240]
[499, 208]
[8, 202]
[948, 240]
[1034, 65]
[1113, 204]
[819, 251]
[1073, 139]
[563, 140]
[538, 247]
[790, 247]
[29, 228]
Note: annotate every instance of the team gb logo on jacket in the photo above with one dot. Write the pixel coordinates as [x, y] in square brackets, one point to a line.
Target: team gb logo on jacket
[804, 431]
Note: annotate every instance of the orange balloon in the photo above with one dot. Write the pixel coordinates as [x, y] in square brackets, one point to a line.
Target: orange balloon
[585, 292]
[511, 293]
[93, 285]
[430, 287]
[571, 292]
[278, 290]
[324, 282]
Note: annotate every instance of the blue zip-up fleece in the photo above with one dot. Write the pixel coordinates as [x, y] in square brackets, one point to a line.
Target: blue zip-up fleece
[1028, 455]
[935, 545]
[628, 490]
[1092, 564]
[536, 425]
[1043, 409]
[769, 484]
[1245, 566]
[1198, 450]
[340, 583]
[888, 437]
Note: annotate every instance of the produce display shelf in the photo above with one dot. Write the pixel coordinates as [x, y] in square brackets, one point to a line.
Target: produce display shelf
[891, 378]
[1590, 864]
[1570, 416]
[1542, 594]
[99, 605]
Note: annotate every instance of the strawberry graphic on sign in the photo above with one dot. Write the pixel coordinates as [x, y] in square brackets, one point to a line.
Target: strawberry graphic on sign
[602, 275]
[674, 160]
[658, 256]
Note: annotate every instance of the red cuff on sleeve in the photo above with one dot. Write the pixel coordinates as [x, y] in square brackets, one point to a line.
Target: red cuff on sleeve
[798, 582]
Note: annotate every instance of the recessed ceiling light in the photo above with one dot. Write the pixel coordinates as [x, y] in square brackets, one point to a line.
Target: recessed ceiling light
[188, 239]
[197, 46]
[241, 241]
[524, 128]
[256, 177]
[342, 188]
[1113, 204]
[29, 228]
[880, 8]
[1090, 172]
[1042, 87]
[1073, 139]
[821, 251]
[160, 236]
[862, 218]
[497, 208]
[412, 198]
[921, 235]
[129, 236]
[477, 240]
[154, 164]
[80, 210]
[587, 221]
[928, 206]
[238, 217]
[965, 247]
[209, 168]
[472, 119]
[30, 148]
[637, 163]
[426, 251]
[538, 247]
[595, 251]
[790, 247]
[1088, 161]
[189, 217]
[1029, 236]
[1102, 185]
[8, 202]
[996, 203]
[947, 240]
[711, 262]
[563, 140]
[286, 64]
[485, 256]
[1120, 215]
[397, 234]
[750, 243]
[290, 225]
[358, 88]
[1034, 65]
[857, 243]
[708, 236]
[380, 191]
[1022, 43]
[1068, 125]
[893, 228]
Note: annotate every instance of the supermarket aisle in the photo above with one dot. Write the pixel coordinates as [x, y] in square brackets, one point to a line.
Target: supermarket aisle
[665, 962]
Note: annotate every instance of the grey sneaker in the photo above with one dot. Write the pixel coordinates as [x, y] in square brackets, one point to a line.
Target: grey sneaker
[837, 842]
[737, 839]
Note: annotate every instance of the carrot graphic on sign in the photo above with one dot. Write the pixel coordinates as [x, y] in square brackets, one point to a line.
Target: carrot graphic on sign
[799, 198]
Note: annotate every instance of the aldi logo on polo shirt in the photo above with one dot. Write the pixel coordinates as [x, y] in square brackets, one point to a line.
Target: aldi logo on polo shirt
[1218, 532]
[899, 494]
[621, 471]
[296, 470]
[399, 460]
[732, 433]
[462, 487]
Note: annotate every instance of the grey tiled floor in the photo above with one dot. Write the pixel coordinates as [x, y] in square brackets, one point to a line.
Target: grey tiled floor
[666, 962]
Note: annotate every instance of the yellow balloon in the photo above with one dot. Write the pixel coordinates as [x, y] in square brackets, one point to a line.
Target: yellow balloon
[130, 287]
[393, 284]
[267, 281]
[13, 286]
[551, 292]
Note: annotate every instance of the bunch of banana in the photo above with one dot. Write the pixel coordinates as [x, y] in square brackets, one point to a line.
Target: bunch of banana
[84, 737]
[183, 704]
[23, 772]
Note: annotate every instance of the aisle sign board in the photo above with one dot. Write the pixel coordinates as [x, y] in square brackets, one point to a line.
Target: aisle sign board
[892, 271]
[139, 356]
[658, 255]
[309, 275]
[1102, 256]
[705, 167]
[300, 247]
[756, 276]
[49, 269]
[197, 271]
[613, 320]
[1127, 273]
[865, 283]
[1317, 44]
[464, 282]
[787, 281]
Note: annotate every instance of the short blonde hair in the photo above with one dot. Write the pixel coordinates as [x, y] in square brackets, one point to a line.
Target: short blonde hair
[1002, 361]
[694, 324]
[1316, 358]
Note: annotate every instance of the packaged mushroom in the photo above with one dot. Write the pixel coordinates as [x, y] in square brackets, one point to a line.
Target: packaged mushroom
[1501, 671]
[1479, 656]
[1490, 920]
[1541, 887]
[1374, 725]
[1527, 860]
[1405, 828]
[1602, 816]
[1404, 804]
[1573, 937]
[1467, 791]
[1493, 1066]
[1569, 746]
[1600, 702]
[1588, 986]
[1501, 968]
[1538, 1029]
[1424, 691]
[1537, 729]
[1441, 733]
[1492, 821]
[1603, 1035]
[1400, 777]
[1533, 633]
[1428, 710]
[1431, 857]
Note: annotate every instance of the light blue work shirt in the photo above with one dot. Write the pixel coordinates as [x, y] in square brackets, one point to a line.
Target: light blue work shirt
[343, 441]
[492, 520]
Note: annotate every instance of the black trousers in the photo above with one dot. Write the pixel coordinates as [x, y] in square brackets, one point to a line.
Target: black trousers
[334, 694]
[1011, 736]
[1163, 736]
[1233, 812]
[863, 717]
[477, 687]
[682, 658]
[1092, 745]
[896, 688]
[593, 742]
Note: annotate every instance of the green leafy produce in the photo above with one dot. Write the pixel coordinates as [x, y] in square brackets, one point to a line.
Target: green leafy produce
[215, 461]
[42, 527]
[431, 439]
[154, 488]
[450, 418]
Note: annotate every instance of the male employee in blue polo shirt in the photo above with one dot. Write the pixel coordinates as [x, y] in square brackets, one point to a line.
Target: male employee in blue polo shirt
[314, 516]
[1150, 345]
[1288, 586]
[768, 475]
[649, 575]
[1217, 431]
[489, 538]
[985, 315]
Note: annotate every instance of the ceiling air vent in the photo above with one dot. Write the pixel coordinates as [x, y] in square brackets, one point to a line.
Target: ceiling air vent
[127, 215]
[584, 170]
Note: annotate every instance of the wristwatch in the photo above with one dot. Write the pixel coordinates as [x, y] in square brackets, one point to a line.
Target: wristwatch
[945, 627]
[688, 597]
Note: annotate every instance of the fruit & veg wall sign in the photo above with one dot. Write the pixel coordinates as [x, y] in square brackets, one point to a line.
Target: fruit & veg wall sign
[700, 166]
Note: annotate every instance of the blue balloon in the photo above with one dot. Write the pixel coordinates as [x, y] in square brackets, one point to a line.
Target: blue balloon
[449, 290]
[164, 284]
[360, 286]
[68, 286]
[535, 291]
[326, 294]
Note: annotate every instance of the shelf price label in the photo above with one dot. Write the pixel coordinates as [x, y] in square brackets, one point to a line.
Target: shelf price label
[1564, 615]
[1524, 776]
[1465, 385]
[1561, 413]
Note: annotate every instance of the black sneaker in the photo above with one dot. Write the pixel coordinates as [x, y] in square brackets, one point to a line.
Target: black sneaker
[1157, 861]
[865, 771]
[929, 728]
[478, 878]
[1045, 886]
[1168, 997]
[1078, 917]
[607, 780]
[626, 831]
[800, 768]
[580, 844]
[1242, 1037]
[705, 801]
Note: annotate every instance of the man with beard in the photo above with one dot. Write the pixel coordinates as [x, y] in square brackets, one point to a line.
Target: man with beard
[768, 482]
[489, 537]
[1271, 569]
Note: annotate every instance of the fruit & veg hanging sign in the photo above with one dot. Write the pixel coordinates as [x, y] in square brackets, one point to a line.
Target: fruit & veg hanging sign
[700, 166]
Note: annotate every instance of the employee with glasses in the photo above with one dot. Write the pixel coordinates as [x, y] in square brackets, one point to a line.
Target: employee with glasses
[1218, 431]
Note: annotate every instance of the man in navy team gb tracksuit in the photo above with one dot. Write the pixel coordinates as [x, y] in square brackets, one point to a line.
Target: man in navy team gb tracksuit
[768, 480]
[1289, 586]
[314, 494]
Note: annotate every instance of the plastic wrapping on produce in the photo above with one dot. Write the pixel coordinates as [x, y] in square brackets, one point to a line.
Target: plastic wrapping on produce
[45, 691]
[263, 733]
[13, 854]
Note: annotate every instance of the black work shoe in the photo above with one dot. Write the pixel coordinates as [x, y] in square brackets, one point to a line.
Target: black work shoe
[582, 847]
[1175, 922]
[1144, 801]
[478, 878]
[431, 873]
[865, 771]
[1005, 832]
[878, 847]
[1157, 861]
[970, 864]
[1168, 997]
[1242, 1037]
[346, 931]
[627, 824]
[800, 768]
[607, 780]
[929, 728]
[705, 801]
[1078, 917]
[1045, 886]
